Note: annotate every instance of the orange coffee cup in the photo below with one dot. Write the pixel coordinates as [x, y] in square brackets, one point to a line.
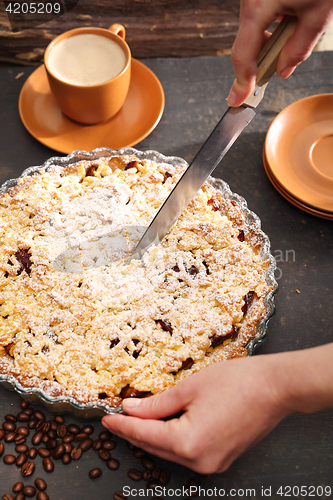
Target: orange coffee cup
[92, 91]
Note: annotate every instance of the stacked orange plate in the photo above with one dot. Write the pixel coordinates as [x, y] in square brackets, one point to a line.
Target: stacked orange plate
[298, 154]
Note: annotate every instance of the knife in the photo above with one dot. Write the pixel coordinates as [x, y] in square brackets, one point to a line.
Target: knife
[218, 143]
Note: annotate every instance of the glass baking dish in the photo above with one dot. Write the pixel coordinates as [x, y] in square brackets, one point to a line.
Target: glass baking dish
[96, 409]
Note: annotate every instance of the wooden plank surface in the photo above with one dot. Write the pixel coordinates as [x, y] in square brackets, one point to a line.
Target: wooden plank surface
[300, 450]
[155, 28]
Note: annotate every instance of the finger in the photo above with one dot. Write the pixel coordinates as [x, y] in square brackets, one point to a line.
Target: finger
[161, 405]
[157, 451]
[240, 92]
[142, 433]
[301, 44]
[165, 454]
[249, 40]
[155, 433]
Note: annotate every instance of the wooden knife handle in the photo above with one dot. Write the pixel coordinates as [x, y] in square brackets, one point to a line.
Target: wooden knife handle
[268, 57]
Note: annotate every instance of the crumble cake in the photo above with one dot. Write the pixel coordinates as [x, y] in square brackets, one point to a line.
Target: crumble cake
[76, 320]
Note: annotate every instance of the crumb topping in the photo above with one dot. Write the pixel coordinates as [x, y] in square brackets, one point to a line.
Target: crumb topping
[76, 320]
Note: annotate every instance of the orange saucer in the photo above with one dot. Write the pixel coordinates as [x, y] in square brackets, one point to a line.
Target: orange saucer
[291, 199]
[299, 152]
[138, 117]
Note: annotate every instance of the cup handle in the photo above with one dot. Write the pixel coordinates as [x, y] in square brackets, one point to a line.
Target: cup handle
[118, 29]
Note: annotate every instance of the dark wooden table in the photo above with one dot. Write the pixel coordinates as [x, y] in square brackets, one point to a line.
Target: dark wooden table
[299, 452]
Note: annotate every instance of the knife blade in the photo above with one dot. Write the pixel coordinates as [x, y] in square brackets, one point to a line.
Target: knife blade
[218, 143]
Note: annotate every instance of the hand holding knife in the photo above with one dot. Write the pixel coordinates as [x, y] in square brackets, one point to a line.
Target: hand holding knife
[218, 143]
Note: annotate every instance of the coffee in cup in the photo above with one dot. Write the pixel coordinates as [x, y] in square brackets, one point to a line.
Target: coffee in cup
[86, 59]
[89, 72]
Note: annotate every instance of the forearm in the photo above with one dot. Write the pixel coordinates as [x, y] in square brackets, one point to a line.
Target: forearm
[303, 380]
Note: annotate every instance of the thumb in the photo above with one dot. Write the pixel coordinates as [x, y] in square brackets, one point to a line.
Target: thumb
[160, 405]
[239, 92]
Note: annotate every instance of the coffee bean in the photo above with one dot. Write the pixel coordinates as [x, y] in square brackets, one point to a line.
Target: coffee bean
[24, 404]
[32, 453]
[40, 484]
[48, 464]
[146, 475]
[44, 453]
[27, 469]
[52, 434]
[118, 496]
[59, 419]
[194, 481]
[66, 459]
[18, 487]
[20, 496]
[24, 431]
[23, 417]
[40, 425]
[41, 495]
[2, 433]
[54, 425]
[86, 444]
[88, 429]
[76, 453]
[21, 459]
[10, 418]
[81, 436]
[147, 463]
[152, 484]
[21, 448]
[113, 464]
[155, 473]
[9, 426]
[164, 477]
[95, 473]
[58, 452]
[20, 439]
[68, 439]
[32, 423]
[37, 438]
[61, 430]
[39, 415]
[46, 427]
[51, 444]
[139, 453]
[109, 445]
[1, 449]
[68, 447]
[7, 496]
[9, 437]
[97, 444]
[29, 491]
[28, 411]
[104, 454]
[104, 435]
[9, 459]
[73, 429]
[135, 474]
